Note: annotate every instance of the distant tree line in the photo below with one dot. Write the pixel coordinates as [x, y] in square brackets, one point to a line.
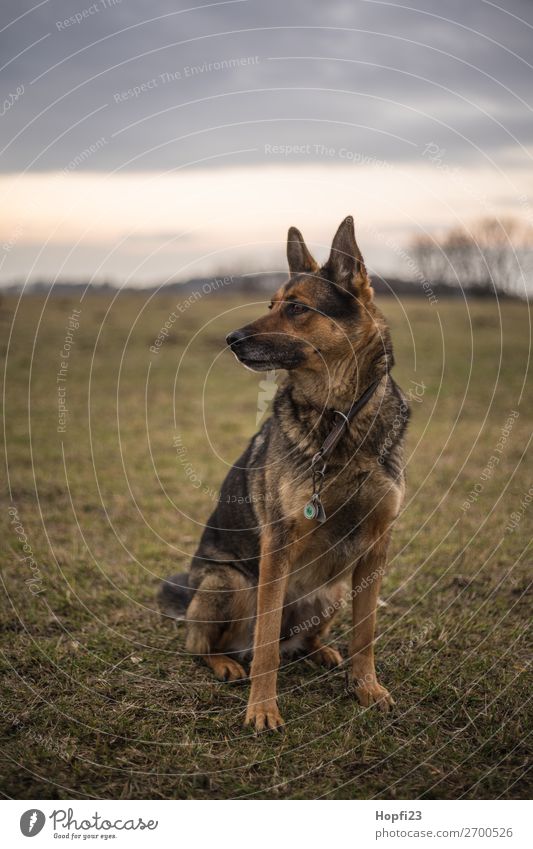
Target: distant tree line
[492, 256]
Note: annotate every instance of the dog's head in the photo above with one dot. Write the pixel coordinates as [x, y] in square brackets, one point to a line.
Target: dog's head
[319, 315]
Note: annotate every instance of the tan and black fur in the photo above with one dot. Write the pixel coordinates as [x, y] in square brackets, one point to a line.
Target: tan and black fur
[265, 579]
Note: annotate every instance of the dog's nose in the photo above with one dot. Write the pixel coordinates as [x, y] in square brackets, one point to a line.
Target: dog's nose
[234, 337]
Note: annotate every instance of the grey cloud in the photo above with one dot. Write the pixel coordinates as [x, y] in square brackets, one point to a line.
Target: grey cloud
[380, 79]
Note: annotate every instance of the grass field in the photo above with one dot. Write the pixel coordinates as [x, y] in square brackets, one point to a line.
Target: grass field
[99, 699]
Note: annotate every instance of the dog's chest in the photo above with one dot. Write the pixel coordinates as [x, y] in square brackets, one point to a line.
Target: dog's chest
[326, 554]
[344, 497]
[357, 507]
[326, 551]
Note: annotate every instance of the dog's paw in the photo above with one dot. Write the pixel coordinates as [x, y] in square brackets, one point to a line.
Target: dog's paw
[370, 692]
[227, 669]
[263, 716]
[326, 656]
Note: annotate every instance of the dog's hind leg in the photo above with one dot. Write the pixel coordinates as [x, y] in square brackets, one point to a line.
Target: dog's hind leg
[175, 595]
[313, 620]
[320, 654]
[220, 622]
[224, 667]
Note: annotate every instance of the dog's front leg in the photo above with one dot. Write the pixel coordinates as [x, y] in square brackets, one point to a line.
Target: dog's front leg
[262, 711]
[366, 581]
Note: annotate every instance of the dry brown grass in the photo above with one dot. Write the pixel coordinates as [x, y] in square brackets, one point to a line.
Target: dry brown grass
[98, 698]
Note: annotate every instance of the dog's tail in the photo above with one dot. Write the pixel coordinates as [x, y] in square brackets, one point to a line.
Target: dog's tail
[175, 595]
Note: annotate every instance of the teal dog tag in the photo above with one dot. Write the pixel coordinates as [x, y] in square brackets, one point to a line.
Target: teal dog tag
[314, 509]
[310, 510]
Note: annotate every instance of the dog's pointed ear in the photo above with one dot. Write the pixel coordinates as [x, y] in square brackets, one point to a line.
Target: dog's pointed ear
[346, 266]
[300, 260]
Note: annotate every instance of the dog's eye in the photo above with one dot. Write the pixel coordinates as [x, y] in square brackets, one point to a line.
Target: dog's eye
[270, 306]
[296, 309]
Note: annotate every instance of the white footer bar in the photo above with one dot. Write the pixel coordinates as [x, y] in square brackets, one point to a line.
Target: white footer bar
[266, 824]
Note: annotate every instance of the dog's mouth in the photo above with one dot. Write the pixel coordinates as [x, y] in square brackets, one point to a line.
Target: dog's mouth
[261, 360]
[257, 364]
[266, 353]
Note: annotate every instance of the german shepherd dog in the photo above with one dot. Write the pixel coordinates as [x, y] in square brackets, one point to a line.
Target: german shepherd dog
[311, 502]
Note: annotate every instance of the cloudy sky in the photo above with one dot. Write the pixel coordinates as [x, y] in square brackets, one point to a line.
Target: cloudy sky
[148, 141]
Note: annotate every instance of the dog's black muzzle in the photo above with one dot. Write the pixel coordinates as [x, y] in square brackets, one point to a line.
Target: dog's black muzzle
[264, 351]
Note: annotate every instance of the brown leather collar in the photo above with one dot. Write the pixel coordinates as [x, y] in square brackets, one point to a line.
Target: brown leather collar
[342, 420]
[314, 509]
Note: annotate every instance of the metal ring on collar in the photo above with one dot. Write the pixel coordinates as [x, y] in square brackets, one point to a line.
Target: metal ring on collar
[343, 416]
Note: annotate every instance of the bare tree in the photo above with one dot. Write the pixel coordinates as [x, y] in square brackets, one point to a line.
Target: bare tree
[492, 255]
[428, 257]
